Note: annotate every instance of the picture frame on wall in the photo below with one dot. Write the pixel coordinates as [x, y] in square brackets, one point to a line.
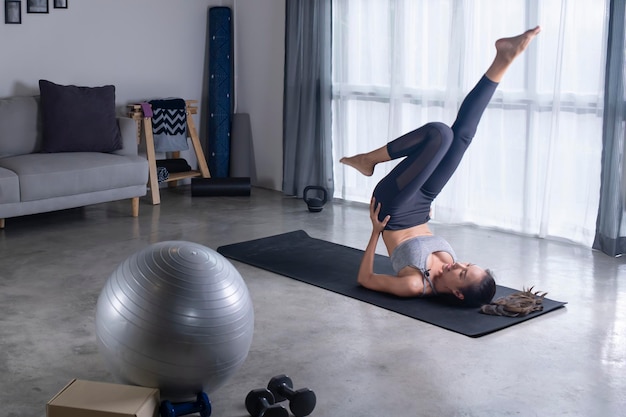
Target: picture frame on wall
[60, 4]
[36, 6]
[13, 12]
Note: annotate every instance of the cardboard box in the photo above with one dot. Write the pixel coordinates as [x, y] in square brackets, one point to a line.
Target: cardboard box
[101, 399]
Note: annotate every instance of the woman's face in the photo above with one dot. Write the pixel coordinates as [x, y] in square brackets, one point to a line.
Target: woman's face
[461, 275]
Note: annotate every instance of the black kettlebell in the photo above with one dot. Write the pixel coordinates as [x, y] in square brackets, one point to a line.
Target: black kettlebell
[315, 204]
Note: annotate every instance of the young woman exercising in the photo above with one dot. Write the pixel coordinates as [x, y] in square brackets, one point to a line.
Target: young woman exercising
[399, 210]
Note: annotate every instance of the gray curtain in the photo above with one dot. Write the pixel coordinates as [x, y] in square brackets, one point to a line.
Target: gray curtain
[307, 146]
[610, 235]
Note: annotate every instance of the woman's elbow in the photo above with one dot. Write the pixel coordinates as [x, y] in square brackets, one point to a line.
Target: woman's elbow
[414, 287]
[363, 279]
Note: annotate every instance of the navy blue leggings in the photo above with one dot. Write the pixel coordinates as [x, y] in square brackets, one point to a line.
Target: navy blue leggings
[433, 152]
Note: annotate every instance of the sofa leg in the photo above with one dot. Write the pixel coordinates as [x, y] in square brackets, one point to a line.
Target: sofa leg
[135, 205]
[1, 223]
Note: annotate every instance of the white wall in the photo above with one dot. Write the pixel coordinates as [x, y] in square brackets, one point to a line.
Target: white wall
[154, 49]
[261, 48]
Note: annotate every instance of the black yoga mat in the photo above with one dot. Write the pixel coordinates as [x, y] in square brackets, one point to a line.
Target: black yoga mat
[334, 267]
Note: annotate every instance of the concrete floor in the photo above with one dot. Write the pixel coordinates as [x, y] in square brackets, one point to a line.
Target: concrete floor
[360, 360]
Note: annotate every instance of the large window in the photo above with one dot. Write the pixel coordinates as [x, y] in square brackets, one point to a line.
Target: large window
[534, 165]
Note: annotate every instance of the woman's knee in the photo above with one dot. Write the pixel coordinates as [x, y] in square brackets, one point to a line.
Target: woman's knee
[440, 135]
[442, 131]
[428, 136]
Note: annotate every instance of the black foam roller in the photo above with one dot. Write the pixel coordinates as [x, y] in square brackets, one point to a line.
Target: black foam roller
[216, 187]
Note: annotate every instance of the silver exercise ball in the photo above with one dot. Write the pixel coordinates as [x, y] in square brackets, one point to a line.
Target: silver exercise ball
[175, 316]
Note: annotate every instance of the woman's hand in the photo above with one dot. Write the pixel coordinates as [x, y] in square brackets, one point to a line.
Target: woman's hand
[377, 225]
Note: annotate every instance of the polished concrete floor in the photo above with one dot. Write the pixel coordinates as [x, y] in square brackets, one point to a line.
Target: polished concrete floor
[360, 360]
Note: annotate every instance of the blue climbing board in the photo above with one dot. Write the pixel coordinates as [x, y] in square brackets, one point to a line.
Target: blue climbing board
[220, 91]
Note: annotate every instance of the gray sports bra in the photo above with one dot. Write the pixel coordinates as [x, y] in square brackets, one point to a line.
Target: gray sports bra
[414, 252]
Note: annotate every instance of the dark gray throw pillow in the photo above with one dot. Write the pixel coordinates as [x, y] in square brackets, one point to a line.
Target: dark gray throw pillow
[78, 119]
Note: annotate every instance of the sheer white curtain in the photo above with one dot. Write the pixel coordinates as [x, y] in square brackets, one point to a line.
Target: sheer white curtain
[534, 165]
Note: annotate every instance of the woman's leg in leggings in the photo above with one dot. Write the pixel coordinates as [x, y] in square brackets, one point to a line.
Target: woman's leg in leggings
[507, 49]
[472, 108]
[464, 128]
[432, 156]
[424, 149]
[398, 148]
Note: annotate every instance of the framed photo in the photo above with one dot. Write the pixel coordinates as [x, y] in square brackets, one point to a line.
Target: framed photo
[36, 6]
[60, 4]
[13, 11]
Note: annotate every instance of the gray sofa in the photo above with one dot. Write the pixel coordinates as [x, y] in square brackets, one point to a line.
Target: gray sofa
[33, 180]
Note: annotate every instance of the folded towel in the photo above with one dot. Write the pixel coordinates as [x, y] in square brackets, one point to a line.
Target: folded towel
[169, 125]
[174, 164]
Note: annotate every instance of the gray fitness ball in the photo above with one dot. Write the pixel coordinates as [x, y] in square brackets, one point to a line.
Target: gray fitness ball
[175, 316]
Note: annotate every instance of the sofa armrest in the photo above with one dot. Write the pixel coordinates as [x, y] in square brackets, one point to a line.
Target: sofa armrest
[128, 130]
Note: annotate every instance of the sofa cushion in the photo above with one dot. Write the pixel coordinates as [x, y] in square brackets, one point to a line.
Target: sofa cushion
[9, 187]
[47, 175]
[78, 119]
[18, 126]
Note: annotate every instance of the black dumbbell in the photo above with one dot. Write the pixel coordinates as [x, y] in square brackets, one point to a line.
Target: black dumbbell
[202, 405]
[261, 403]
[301, 402]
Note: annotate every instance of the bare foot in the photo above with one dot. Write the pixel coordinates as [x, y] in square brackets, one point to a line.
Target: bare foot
[509, 48]
[506, 51]
[360, 163]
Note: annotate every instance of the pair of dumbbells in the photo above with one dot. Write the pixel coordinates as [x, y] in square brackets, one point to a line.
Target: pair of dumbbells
[263, 402]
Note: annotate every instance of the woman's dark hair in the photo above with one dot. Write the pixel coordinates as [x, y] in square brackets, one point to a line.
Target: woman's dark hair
[481, 293]
[517, 304]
